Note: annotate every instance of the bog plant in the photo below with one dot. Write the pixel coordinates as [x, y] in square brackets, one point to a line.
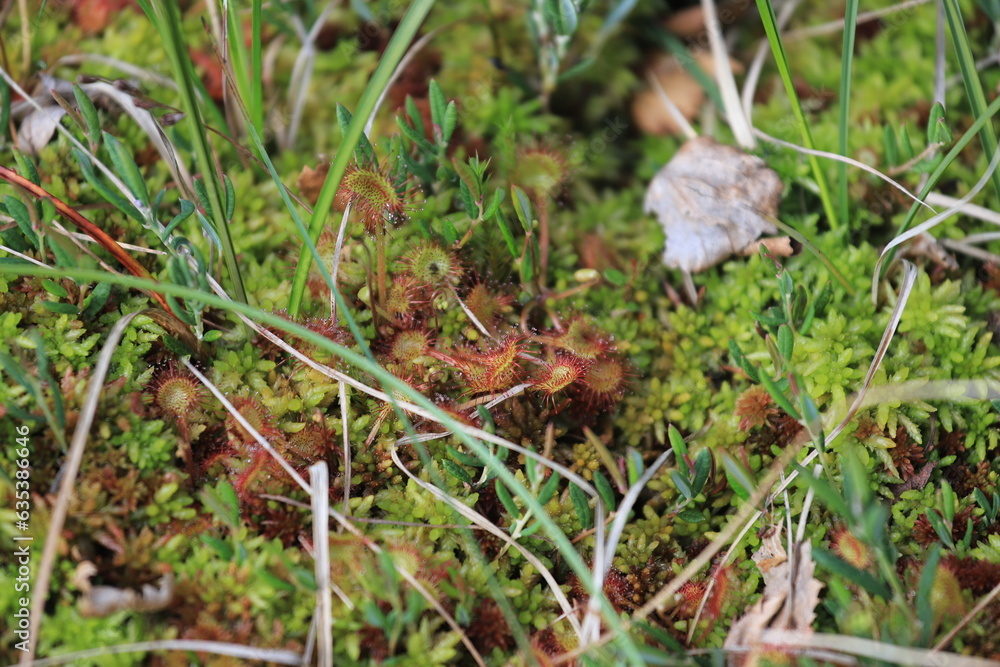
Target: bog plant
[472, 332]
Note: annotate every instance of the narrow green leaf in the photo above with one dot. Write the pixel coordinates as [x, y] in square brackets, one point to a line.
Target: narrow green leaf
[549, 488]
[604, 489]
[522, 207]
[925, 610]
[682, 485]
[126, 168]
[508, 237]
[223, 502]
[770, 21]
[702, 468]
[973, 85]
[582, 506]
[560, 15]
[786, 342]
[365, 152]
[95, 301]
[506, 499]
[17, 210]
[738, 477]
[109, 195]
[677, 443]
[60, 308]
[230, 196]
[89, 113]
[187, 208]
[635, 466]
[843, 117]
[778, 396]
[438, 106]
[457, 471]
[842, 568]
[615, 277]
[937, 126]
[4, 106]
[417, 120]
[463, 458]
[691, 515]
[450, 121]
[54, 288]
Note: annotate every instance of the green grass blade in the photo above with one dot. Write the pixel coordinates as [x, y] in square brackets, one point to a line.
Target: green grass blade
[982, 120]
[846, 61]
[165, 15]
[393, 53]
[778, 50]
[970, 77]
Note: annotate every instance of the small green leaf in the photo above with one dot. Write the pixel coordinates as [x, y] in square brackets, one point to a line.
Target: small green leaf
[365, 152]
[615, 277]
[925, 611]
[417, 120]
[702, 468]
[786, 342]
[450, 121]
[582, 505]
[635, 466]
[604, 489]
[212, 336]
[740, 360]
[522, 207]
[54, 288]
[506, 499]
[738, 477]
[222, 501]
[89, 113]
[230, 198]
[437, 104]
[126, 168]
[691, 515]
[549, 488]
[560, 15]
[4, 106]
[778, 396]
[60, 308]
[508, 237]
[463, 458]
[948, 499]
[94, 302]
[842, 568]
[17, 210]
[468, 201]
[891, 147]
[682, 485]
[456, 471]
[494, 206]
[937, 127]
[187, 208]
[677, 443]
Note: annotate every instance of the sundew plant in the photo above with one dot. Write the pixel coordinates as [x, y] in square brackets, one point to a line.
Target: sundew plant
[553, 332]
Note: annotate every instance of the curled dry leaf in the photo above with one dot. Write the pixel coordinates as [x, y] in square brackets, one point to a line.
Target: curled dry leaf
[791, 595]
[99, 601]
[713, 201]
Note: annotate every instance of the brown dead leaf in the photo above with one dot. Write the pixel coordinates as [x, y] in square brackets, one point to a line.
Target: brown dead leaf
[713, 201]
[311, 180]
[791, 595]
[683, 90]
[687, 22]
